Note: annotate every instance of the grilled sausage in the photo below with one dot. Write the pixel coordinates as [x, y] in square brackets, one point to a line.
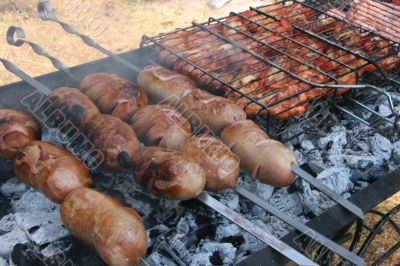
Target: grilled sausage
[163, 85]
[116, 232]
[112, 136]
[51, 169]
[160, 125]
[75, 105]
[221, 166]
[265, 159]
[113, 95]
[201, 107]
[16, 130]
[168, 174]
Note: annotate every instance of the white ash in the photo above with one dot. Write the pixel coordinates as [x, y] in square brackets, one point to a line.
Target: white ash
[13, 188]
[157, 259]
[226, 250]
[10, 235]
[396, 152]
[337, 179]
[3, 262]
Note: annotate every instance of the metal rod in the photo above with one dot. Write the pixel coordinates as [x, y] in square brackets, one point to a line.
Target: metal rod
[18, 72]
[47, 13]
[351, 207]
[350, 256]
[256, 231]
[16, 37]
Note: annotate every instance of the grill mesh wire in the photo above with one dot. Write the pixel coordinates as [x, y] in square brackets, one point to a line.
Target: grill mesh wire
[271, 59]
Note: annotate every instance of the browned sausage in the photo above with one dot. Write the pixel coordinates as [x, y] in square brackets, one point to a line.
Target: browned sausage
[51, 169]
[265, 159]
[116, 232]
[215, 112]
[112, 136]
[92, 79]
[168, 174]
[16, 130]
[160, 125]
[221, 166]
[75, 105]
[163, 85]
[114, 95]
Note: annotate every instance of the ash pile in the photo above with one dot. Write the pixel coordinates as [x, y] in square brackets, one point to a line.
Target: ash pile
[344, 154]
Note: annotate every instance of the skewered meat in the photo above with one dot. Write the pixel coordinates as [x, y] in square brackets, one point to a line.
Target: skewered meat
[113, 95]
[112, 136]
[160, 125]
[168, 174]
[285, 49]
[201, 107]
[16, 130]
[51, 169]
[116, 232]
[163, 85]
[219, 163]
[265, 159]
[75, 105]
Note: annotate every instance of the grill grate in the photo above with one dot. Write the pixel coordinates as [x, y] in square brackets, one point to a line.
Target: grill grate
[276, 60]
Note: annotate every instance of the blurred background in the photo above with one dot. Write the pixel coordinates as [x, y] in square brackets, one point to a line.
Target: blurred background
[116, 24]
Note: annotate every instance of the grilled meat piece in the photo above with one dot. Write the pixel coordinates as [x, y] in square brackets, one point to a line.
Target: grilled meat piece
[17, 129]
[51, 169]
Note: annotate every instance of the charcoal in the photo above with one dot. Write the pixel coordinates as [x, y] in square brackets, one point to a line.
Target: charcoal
[384, 110]
[315, 201]
[3, 262]
[227, 230]
[396, 152]
[263, 191]
[337, 179]
[307, 145]
[8, 240]
[236, 241]
[335, 139]
[287, 203]
[4, 206]
[201, 259]
[13, 188]
[32, 201]
[226, 250]
[26, 255]
[160, 260]
[381, 147]
[186, 224]
[6, 169]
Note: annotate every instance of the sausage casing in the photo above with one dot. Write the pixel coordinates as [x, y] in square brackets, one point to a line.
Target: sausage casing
[160, 125]
[75, 105]
[215, 112]
[265, 159]
[113, 95]
[163, 85]
[51, 169]
[168, 174]
[17, 129]
[116, 232]
[222, 167]
[112, 136]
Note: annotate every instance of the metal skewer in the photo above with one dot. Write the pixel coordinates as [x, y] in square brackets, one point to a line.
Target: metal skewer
[237, 218]
[263, 204]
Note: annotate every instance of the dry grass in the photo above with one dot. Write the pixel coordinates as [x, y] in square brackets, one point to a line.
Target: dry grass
[119, 26]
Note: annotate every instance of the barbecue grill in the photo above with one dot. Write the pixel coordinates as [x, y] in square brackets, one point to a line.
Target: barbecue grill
[368, 88]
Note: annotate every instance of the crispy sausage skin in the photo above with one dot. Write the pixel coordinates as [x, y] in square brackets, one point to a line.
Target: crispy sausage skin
[168, 174]
[16, 130]
[213, 111]
[116, 232]
[75, 105]
[51, 169]
[265, 159]
[112, 136]
[113, 94]
[221, 166]
[163, 85]
[160, 125]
